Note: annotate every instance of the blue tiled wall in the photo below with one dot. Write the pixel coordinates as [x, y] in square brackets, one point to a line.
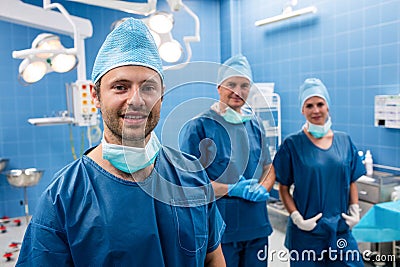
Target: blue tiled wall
[353, 46]
[49, 147]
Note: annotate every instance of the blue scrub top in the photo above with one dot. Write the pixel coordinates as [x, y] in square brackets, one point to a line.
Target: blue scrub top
[322, 180]
[89, 217]
[227, 151]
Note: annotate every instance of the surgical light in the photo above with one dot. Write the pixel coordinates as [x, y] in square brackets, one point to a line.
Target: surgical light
[161, 22]
[32, 72]
[170, 51]
[63, 63]
[46, 41]
[46, 55]
[160, 25]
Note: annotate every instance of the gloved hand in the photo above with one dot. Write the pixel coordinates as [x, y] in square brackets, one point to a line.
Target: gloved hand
[257, 192]
[305, 225]
[354, 215]
[240, 189]
[248, 189]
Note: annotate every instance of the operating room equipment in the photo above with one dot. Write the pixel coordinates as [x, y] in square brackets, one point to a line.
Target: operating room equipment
[287, 13]
[77, 27]
[125, 6]
[380, 224]
[170, 49]
[46, 50]
[372, 191]
[46, 55]
[267, 105]
[368, 162]
[387, 111]
[24, 178]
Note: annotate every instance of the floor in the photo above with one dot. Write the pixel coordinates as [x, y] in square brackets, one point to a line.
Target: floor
[10, 240]
[276, 246]
[276, 240]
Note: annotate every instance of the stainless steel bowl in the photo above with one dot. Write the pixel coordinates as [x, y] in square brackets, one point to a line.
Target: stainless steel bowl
[3, 164]
[24, 177]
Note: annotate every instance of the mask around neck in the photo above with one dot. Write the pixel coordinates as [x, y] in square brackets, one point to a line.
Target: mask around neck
[231, 115]
[131, 159]
[319, 131]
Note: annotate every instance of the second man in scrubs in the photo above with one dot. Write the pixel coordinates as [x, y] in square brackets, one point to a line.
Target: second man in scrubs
[231, 145]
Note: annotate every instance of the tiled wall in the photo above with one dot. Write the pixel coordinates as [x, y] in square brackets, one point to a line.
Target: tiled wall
[49, 147]
[352, 46]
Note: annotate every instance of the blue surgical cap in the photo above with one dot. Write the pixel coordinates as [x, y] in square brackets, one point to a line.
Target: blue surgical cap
[313, 87]
[234, 66]
[131, 43]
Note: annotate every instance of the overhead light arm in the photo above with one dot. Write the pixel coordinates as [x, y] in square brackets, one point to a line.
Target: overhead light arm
[79, 45]
[196, 36]
[175, 5]
[16, 11]
[188, 39]
[48, 6]
[27, 52]
[129, 7]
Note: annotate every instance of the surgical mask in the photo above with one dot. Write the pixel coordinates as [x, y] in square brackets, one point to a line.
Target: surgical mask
[232, 116]
[131, 159]
[318, 131]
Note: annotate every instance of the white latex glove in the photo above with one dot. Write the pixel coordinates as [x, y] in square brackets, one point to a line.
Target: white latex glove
[354, 215]
[305, 225]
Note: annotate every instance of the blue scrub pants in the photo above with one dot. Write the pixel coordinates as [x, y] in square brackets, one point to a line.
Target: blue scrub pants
[252, 253]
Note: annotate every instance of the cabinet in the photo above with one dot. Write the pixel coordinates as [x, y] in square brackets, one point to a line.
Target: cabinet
[373, 190]
[267, 106]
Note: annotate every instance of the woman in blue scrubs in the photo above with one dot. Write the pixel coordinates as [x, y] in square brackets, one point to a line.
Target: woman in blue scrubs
[322, 165]
[127, 201]
[231, 145]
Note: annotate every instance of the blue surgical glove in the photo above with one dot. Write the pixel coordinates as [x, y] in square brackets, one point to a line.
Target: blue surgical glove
[257, 192]
[240, 189]
[248, 189]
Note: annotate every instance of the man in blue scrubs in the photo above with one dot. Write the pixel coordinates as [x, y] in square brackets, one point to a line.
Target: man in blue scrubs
[231, 145]
[323, 166]
[126, 202]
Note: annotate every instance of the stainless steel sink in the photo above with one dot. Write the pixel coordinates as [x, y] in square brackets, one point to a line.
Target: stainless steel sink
[24, 177]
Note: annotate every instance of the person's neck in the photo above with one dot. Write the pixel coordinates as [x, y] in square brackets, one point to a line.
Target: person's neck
[324, 142]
